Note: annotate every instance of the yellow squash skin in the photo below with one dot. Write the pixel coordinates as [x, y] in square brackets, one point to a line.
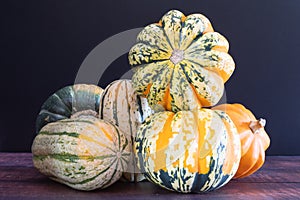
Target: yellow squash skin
[254, 139]
[188, 151]
[85, 153]
[180, 63]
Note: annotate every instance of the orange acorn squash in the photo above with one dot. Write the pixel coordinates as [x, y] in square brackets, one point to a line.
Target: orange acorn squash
[254, 139]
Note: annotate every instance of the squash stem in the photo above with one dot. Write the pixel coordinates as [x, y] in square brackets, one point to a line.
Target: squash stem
[256, 125]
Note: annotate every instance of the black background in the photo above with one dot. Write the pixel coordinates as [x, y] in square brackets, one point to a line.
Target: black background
[44, 42]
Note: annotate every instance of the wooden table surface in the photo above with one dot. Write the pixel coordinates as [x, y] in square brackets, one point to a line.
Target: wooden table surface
[279, 178]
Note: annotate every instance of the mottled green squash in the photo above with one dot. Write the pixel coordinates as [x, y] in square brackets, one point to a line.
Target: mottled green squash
[188, 151]
[121, 106]
[84, 152]
[180, 63]
[67, 101]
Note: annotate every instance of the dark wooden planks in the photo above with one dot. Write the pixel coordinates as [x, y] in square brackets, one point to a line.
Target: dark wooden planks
[279, 178]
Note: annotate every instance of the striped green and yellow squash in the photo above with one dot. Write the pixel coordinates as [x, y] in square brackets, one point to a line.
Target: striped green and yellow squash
[84, 152]
[188, 151]
[180, 63]
[67, 101]
[121, 106]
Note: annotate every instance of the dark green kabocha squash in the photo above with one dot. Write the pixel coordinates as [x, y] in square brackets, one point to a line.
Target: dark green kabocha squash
[67, 101]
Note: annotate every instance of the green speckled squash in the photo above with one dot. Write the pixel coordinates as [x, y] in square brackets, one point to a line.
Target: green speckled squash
[84, 152]
[121, 106]
[67, 101]
[188, 151]
[180, 63]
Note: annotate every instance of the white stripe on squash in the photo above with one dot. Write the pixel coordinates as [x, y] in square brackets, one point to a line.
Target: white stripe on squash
[84, 154]
[121, 106]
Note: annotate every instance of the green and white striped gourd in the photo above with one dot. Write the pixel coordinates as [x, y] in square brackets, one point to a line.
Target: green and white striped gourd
[84, 152]
[121, 106]
[67, 101]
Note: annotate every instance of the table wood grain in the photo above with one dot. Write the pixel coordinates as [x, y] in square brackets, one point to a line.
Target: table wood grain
[279, 178]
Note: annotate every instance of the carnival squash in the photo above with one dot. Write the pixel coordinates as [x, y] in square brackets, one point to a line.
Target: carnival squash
[121, 106]
[67, 101]
[254, 139]
[188, 151]
[84, 152]
[180, 63]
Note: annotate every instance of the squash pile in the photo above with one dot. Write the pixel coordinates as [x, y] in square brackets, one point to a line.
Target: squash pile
[164, 125]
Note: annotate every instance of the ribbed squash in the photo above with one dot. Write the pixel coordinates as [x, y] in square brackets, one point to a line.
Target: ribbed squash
[180, 62]
[188, 151]
[121, 106]
[67, 101]
[84, 153]
[254, 139]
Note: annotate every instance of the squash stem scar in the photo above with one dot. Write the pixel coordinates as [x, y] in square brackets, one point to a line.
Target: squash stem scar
[177, 56]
